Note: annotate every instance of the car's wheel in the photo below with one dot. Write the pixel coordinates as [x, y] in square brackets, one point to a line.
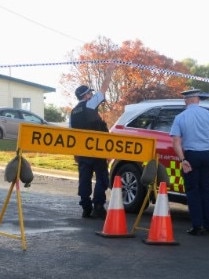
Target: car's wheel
[1, 134]
[133, 191]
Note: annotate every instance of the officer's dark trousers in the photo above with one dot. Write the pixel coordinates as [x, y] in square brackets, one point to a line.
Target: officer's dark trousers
[197, 187]
[87, 167]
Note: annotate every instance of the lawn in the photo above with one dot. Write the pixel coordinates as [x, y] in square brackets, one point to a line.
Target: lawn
[40, 160]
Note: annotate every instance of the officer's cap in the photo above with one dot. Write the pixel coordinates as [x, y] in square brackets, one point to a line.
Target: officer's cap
[195, 93]
[82, 90]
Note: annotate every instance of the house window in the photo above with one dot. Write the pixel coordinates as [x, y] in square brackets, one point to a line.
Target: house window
[22, 103]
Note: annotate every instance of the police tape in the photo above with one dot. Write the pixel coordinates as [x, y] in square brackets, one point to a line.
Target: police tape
[152, 68]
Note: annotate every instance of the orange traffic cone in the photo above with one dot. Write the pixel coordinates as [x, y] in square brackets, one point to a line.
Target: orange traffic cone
[115, 222]
[161, 231]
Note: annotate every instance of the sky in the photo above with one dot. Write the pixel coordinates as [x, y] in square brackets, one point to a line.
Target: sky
[45, 31]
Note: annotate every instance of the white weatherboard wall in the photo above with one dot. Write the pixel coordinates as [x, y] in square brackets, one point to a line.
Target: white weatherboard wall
[11, 89]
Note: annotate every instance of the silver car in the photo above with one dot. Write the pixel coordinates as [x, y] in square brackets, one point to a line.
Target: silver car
[10, 118]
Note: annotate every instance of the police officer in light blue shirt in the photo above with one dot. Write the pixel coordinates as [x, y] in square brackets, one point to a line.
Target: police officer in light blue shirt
[190, 134]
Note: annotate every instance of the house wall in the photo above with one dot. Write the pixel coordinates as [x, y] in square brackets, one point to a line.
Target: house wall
[11, 89]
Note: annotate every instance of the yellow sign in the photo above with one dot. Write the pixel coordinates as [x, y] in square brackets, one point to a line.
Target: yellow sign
[58, 140]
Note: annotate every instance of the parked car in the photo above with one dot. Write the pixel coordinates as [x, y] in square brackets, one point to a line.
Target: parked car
[151, 119]
[10, 118]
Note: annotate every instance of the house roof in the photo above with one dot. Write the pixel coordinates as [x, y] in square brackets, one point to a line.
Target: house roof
[40, 86]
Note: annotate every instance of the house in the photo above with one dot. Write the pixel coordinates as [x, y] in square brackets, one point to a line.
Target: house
[18, 93]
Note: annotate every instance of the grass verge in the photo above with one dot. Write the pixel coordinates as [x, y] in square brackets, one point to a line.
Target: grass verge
[38, 160]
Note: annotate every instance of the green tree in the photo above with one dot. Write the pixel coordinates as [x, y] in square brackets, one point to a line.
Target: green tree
[199, 71]
[52, 114]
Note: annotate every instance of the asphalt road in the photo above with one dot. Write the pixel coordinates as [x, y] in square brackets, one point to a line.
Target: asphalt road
[60, 244]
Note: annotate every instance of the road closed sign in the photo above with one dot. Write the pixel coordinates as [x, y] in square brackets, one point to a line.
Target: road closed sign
[58, 140]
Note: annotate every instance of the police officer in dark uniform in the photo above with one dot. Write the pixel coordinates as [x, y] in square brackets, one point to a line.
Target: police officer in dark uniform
[190, 133]
[85, 116]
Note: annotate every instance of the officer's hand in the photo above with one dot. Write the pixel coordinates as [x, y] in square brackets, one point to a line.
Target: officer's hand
[186, 166]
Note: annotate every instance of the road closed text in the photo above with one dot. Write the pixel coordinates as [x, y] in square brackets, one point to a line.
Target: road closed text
[90, 143]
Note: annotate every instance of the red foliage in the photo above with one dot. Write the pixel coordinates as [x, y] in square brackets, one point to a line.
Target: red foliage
[130, 84]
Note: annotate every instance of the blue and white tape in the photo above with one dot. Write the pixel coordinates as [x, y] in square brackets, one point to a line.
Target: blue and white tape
[152, 69]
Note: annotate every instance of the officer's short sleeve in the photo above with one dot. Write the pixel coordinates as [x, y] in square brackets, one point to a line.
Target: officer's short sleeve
[175, 128]
[95, 101]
